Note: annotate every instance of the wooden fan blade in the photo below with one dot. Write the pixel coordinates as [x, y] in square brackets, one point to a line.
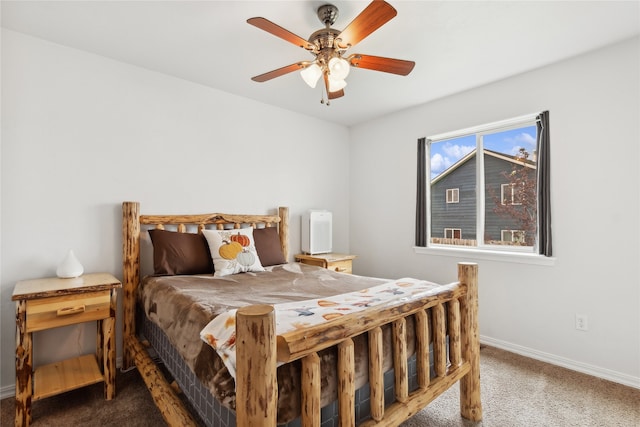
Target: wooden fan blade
[337, 94]
[370, 19]
[279, 72]
[278, 31]
[332, 95]
[379, 63]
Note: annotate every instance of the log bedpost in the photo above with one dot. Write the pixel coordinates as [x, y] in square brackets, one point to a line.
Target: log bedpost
[470, 403]
[24, 365]
[107, 359]
[283, 213]
[256, 356]
[130, 274]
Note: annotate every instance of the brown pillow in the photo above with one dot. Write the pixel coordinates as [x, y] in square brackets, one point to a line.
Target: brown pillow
[268, 246]
[180, 253]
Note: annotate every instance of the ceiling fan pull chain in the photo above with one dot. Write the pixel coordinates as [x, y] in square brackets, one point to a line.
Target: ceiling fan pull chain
[328, 103]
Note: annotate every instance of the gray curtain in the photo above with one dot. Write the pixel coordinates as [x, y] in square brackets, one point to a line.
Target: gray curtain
[421, 194]
[544, 191]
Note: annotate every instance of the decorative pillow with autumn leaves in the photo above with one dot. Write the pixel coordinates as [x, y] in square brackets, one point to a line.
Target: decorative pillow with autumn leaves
[233, 251]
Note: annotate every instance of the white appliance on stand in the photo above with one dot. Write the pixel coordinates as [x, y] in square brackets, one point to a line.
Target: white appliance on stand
[317, 232]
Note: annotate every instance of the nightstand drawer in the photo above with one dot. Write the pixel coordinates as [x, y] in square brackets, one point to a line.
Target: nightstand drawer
[340, 266]
[318, 262]
[65, 310]
[337, 262]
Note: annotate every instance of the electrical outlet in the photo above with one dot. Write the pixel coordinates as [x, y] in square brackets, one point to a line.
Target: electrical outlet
[582, 322]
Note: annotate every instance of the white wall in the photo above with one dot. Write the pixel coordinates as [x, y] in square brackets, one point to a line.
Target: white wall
[595, 117]
[82, 133]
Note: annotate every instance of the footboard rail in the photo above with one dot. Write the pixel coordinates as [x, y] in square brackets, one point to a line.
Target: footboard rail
[454, 314]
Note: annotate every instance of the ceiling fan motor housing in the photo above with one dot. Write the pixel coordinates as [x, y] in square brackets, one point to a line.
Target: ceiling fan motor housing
[327, 14]
[326, 46]
[324, 38]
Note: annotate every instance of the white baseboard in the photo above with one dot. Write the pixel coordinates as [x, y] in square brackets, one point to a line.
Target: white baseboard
[10, 390]
[585, 368]
[7, 391]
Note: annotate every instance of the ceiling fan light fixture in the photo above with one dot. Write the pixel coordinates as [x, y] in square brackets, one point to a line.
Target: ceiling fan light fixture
[311, 74]
[336, 84]
[339, 68]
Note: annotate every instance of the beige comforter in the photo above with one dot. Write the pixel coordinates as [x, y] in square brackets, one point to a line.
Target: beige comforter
[182, 305]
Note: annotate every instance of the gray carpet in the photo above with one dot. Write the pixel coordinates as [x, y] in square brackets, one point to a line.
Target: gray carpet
[516, 391]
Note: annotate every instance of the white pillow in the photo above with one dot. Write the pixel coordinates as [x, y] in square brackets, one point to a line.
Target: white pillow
[233, 251]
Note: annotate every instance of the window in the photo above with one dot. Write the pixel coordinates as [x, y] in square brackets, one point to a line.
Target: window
[509, 195]
[452, 233]
[513, 236]
[453, 195]
[482, 187]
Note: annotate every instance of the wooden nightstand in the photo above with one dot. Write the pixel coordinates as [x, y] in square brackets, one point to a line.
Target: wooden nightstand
[336, 262]
[52, 302]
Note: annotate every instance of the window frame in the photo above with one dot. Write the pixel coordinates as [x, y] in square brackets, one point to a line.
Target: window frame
[453, 233]
[454, 191]
[525, 254]
[513, 199]
[512, 232]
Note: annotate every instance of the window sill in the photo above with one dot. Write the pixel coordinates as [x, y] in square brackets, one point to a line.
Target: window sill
[483, 254]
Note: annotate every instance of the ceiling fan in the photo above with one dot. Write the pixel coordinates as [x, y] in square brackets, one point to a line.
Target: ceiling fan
[329, 47]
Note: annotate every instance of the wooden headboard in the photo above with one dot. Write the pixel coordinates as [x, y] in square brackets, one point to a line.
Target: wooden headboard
[132, 222]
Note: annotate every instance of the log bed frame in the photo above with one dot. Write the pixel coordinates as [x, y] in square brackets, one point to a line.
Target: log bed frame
[258, 353]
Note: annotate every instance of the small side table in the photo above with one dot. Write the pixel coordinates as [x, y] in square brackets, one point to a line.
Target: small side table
[52, 302]
[337, 262]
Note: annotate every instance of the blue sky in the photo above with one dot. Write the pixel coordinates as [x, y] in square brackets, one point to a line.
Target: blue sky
[445, 153]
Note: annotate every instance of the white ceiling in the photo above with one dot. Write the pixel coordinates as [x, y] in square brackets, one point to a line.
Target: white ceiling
[457, 45]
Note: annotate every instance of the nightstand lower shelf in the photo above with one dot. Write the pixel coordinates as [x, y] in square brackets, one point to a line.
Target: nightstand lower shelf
[59, 377]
